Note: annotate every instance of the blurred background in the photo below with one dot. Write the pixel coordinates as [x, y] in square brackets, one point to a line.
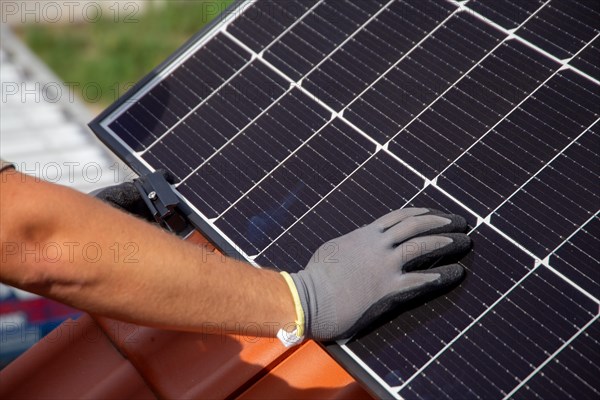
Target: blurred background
[61, 63]
[117, 48]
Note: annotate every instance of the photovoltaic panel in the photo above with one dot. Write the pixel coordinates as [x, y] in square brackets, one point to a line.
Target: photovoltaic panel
[520, 145]
[568, 373]
[506, 13]
[521, 331]
[563, 27]
[576, 257]
[587, 60]
[290, 123]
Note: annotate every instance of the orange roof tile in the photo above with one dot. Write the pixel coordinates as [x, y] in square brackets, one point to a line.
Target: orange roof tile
[76, 360]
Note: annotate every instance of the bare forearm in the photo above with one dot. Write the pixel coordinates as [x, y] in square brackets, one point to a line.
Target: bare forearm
[106, 262]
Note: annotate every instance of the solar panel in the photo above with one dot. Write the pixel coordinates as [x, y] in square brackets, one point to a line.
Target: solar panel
[289, 123]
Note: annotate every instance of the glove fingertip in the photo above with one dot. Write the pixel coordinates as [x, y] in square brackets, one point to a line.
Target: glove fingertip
[461, 243]
[433, 211]
[454, 223]
[457, 222]
[448, 274]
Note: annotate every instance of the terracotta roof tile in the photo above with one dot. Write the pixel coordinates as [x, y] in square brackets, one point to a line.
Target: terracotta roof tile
[76, 360]
[309, 373]
[191, 365]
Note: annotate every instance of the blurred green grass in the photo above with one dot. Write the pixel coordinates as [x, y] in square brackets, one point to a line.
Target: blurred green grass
[107, 57]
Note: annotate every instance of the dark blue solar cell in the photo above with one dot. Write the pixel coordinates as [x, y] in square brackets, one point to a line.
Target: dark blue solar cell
[264, 20]
[191, 87]
[557, 201]
[338, 23]
[295, 186]
[519, 146]
[379, 187]
[432, 198]
[357, 64]
[153, 114]
[184, 149]
[572, 373]
[206, 70]
[217, 120]
[138, 127]
[468, 110]
[587, 60]
[493, 267]
[163, 105]
[252, 154]
[507, 13]
[509, 342]
[421, 77]
[298, 51]
[563, 27]
[579, 258]
[317, 35]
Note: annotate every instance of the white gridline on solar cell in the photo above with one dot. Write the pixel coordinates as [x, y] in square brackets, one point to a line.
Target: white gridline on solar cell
[423, 86]
[282, 165]
[522, 10]
[550, 6]
[542, 84]
[216, 92]
[231, 142]
[533, 176]
[511, 34]
[273, 38]
[227, 140]
[239, 132]
[557, 192]
[408, 126]
[241, 234]
[339, 46]
[352, 200]
[299, 20]
[589, 237]
[555, 355]
[373, 36]
[169, 129]
[266, 174]
[589, 64]
[365, 29]
[348, 177]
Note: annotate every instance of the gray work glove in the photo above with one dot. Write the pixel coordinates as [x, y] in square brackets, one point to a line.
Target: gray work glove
[354, 279]
[126, 197]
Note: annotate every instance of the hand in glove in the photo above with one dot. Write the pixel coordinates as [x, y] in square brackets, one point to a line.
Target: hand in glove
[376, 268]
[127, 197]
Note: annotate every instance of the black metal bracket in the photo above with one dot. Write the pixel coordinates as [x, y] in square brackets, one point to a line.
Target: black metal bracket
[162, 201]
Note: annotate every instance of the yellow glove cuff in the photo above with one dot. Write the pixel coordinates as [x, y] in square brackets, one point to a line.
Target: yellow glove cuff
[299, 311]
